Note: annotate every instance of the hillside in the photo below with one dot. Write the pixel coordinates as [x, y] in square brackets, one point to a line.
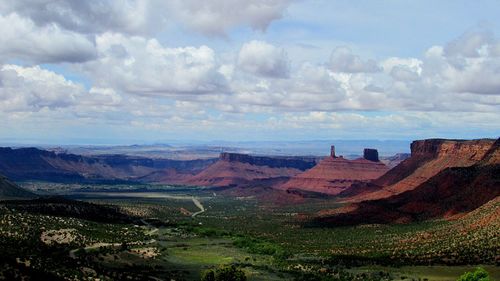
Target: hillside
[37, 164]
[428, 158]
[244, 170]
[452, 191]
[10, 191]
[335, 174]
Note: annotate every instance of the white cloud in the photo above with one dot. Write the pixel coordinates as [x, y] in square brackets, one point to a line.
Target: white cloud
[145, 67]
[216, 17]
[263, 59]
[343, 60]
[141, 17]
[32, 89]
[96, 16]
[469, 44]
[22, 39]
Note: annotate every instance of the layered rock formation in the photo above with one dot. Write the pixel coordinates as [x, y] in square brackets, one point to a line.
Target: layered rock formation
[37, 164]
[233, 169]
[428, 158]
[334, 174]
[442, 178]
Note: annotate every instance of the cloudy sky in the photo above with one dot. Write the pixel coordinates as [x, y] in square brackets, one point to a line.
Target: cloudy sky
[141, 71]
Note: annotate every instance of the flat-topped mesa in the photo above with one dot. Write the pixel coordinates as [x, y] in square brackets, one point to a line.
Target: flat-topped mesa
[456, 148]
[371, 154]
[296, 162]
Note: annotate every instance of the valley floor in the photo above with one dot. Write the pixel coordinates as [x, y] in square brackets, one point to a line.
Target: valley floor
[170, 237]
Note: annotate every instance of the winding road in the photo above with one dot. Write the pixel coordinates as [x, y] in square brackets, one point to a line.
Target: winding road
[199, 205]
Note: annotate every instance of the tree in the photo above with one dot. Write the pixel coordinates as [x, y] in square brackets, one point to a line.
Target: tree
[224, 273]
[477, 275]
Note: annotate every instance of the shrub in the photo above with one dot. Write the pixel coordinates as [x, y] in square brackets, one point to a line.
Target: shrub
[224, 273]
[477, 275]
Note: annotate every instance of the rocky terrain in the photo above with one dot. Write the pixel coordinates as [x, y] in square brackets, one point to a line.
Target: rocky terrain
[335, 174]
[239, 170]
[442, 178]
[428, 158]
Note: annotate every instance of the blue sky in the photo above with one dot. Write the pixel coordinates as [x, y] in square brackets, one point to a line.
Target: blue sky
[150, 71]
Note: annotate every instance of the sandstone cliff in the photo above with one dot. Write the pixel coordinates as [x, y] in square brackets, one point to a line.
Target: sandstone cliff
[428, 158]
[233, 169]
[441, 179]
[334, 174]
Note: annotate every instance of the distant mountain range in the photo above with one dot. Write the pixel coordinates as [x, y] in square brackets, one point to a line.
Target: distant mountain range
[35, 164]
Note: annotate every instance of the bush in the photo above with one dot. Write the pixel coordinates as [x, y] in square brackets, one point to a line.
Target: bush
[477, 275]
[224, 273]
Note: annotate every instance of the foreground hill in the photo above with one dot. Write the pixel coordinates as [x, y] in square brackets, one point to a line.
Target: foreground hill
[37, 164]
[442, 179]
[234, 169]
[10, 191]
[334, 174]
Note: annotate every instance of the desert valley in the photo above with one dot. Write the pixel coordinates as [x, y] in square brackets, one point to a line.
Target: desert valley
[428, 215]
[249, 140]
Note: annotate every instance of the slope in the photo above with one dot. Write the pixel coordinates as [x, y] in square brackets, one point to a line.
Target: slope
[452, 191]
[10, 191]
[428, 158]
[234, 169]
[335, 174]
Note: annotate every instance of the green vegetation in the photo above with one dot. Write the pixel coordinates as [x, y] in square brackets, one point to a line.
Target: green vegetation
[147, 238]
[477, 275]
[224, 273]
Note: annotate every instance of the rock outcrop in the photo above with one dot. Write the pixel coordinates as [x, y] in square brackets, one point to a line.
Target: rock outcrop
[301, 163]
[442, 178]
[233, 169]
[371, 154]
[334, 174]
[428, 158]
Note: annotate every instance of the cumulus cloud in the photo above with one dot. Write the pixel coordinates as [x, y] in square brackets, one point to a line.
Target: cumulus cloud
[22, 39]
[141, 17]
[263, 59]
[343, 60]
[145, 67]
[97, 16]
[469, 44]
[34, 88]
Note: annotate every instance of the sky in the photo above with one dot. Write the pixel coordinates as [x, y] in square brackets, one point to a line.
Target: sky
[149, 71]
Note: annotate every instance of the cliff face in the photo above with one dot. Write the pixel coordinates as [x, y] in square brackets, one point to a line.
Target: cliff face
[448, 178]
[300, 163]
[234, 169]
[37, 164]
[334, 174]
[428, 158]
